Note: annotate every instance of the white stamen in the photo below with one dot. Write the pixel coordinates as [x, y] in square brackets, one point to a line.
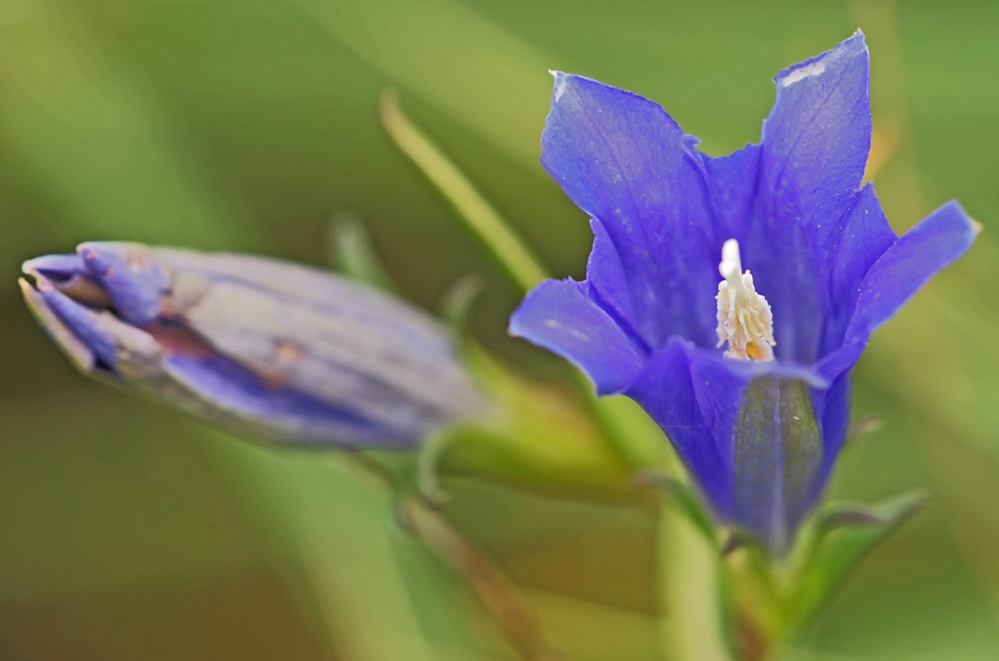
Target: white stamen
[744, 318]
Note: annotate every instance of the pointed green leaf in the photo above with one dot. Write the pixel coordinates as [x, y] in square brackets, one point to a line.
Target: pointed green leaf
[351, 251]
[456, 304]
[843, 535]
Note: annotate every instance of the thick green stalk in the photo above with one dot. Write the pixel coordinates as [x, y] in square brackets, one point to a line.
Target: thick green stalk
[692, 627]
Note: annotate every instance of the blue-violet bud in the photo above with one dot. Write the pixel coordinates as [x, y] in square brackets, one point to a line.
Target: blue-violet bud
[277, 349]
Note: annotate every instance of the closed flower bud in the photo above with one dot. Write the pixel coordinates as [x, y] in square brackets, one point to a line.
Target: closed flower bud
[289, 352]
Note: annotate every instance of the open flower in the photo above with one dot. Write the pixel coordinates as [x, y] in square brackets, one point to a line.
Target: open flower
[748, 372]
[293, 353]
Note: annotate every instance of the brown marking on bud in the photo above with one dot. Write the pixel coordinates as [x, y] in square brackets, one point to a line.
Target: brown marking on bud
[85, 290]
[177, 339]
[286, 354]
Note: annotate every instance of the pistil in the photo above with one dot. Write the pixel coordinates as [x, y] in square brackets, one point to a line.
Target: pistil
[744, 317]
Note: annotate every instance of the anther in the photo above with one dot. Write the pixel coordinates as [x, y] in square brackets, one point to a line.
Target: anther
[744, 317]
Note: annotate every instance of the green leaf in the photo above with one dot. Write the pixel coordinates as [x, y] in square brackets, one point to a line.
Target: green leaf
[456, 304]
[378, 594]
[844, 534]
[684, 500]
[538, 436]
[636, 436]
[350, 251]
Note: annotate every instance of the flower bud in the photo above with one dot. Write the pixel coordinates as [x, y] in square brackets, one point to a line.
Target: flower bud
[282, 350]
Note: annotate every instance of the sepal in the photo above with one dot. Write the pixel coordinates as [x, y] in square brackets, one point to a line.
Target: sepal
[538, 435]
[684, 500]
[774, 599]
[350, 250]
[844, 534]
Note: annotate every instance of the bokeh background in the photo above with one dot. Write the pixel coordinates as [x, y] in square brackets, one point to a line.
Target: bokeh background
[129, 532]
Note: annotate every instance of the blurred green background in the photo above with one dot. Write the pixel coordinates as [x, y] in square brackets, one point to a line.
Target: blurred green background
[129, 532]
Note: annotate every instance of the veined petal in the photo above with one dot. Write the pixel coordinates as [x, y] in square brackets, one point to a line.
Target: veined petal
[289, 352]
[223, 390]
[817, 137]
[135, 281]
[733, 424]
[558, 316]
[814, 149]
[625, 162]
[333, 348]
[864, 237]
[607, 282]
[732, 183]
[668, 391]
[930, 245]
[832, 410]
[778, 459]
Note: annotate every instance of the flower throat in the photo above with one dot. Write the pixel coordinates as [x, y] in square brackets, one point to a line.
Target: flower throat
[744, 317]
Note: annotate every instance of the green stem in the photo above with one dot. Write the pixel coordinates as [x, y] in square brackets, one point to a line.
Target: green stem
[478, 215]
[495, 590]
[350, 251]
[691, 628]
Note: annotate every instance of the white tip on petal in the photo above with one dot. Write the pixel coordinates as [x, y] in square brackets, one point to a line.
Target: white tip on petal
[813, 69]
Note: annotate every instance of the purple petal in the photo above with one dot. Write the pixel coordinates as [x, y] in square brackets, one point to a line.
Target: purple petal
[864, 237]
[81, 355]
[691, 410]
[732, 190]
[817, 137]
[607, 283]
[930, 245]
[814, 149]
[778, 460]
[625, 162]
[224, 390]
[132, 277]
[747, 431]
[558, 316]
[55, 268]
[832, 409]
[92, 328]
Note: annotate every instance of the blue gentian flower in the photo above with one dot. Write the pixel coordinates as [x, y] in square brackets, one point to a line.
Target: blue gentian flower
[747, 372]
[281, 350]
